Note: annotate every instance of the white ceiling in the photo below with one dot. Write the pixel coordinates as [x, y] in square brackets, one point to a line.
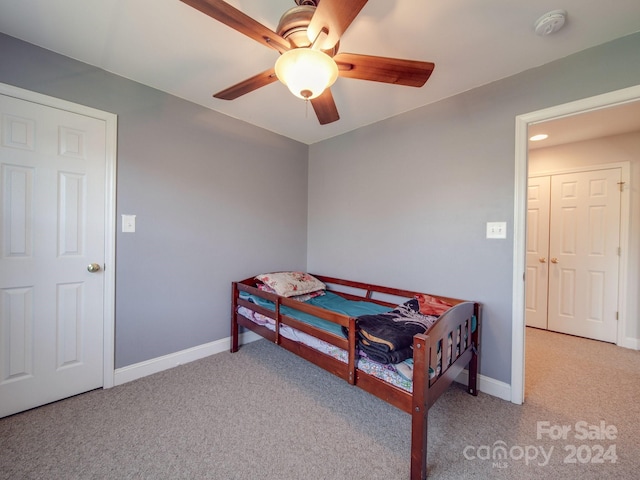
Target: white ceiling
[170, 46]
[598, 123]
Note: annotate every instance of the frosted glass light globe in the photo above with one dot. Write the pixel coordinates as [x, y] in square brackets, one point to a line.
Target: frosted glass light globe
[306, 72]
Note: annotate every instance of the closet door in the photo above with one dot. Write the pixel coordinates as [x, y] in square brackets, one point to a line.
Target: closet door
[537, 273]
[583, 251]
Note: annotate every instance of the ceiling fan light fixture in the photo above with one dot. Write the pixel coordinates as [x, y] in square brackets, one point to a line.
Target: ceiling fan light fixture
[306, 72]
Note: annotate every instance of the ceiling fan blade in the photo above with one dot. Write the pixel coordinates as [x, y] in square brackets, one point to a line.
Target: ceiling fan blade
[332, 17]
[325, 108]
[411, 73]
[234, 18]
[248, 85]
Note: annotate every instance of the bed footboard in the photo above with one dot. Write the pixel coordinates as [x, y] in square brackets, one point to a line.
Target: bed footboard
[450, 346]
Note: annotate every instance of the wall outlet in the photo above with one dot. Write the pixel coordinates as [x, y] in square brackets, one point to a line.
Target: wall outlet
[496, 229]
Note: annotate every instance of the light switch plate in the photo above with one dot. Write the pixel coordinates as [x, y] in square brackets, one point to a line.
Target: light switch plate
[128, 223]
[496, 229]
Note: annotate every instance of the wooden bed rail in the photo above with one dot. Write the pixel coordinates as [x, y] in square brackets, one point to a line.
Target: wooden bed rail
[371, 289]
[348, 344]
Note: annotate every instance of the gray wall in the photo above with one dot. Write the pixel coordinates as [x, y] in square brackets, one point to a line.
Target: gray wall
[405, 201]
[216, 200]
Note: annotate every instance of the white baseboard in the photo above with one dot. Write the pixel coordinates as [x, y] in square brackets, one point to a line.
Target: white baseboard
[156, 365]
[132, 372]
[488, 385]
[630, 342]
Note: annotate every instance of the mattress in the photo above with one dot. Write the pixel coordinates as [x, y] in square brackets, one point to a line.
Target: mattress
[399, 375]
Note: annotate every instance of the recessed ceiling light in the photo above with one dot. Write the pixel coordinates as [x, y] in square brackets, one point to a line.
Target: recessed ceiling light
[540, 136]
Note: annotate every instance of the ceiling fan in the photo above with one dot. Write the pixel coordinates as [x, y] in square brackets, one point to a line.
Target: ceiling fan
[308, 38]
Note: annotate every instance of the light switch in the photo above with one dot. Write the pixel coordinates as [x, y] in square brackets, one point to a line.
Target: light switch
[128, 223]
[496, 229]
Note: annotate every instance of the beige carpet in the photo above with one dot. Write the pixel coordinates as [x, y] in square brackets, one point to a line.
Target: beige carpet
[263, 413]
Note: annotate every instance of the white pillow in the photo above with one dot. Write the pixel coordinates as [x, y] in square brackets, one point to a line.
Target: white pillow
[288, 284]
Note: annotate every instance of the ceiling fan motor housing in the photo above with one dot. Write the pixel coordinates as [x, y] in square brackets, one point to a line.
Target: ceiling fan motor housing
[293, 26]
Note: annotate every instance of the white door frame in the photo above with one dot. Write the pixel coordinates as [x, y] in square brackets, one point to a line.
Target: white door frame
[110, 120]
[520, 217]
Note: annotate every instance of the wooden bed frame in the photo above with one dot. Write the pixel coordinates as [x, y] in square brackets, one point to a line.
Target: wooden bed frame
[425, 347]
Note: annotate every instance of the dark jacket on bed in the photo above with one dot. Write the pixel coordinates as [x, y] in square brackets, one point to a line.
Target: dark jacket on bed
[388, 337]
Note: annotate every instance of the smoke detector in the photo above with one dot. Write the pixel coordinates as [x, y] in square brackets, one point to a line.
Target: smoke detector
[550, 22]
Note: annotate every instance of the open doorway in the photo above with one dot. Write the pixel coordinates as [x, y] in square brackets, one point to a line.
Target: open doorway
[524, 124]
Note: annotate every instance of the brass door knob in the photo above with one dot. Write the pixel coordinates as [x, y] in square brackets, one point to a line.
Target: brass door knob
[554, 260]
[93, 267]
[543, 260]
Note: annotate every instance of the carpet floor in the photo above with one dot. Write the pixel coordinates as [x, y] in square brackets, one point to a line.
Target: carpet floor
[263, 413]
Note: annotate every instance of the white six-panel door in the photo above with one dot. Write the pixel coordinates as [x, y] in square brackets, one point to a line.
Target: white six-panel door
[572, 253]
[537, 273]
[583, 249]
[52, 181]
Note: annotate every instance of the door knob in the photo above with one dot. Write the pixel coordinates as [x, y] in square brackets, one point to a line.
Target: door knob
[554, 260]
[93, 267]
[543, 260]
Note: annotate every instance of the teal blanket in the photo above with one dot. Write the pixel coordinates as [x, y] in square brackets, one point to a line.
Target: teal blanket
[328, 301]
